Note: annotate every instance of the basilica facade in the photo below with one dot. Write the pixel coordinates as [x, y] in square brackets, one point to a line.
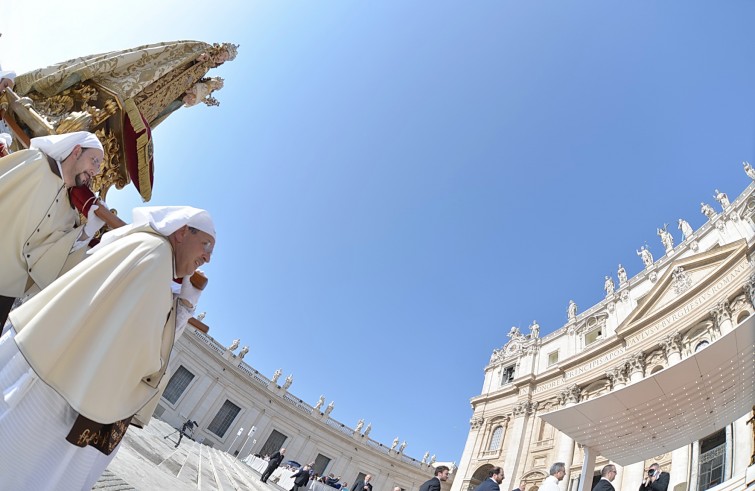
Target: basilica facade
[699, 291]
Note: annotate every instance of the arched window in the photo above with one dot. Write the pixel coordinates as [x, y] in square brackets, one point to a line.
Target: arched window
[701, 345]
[495, 440]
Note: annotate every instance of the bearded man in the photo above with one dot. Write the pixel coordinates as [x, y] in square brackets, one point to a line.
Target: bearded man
[87, 353]
[39, 226]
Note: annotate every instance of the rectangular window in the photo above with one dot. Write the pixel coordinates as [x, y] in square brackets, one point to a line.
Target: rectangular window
[592, 336]
[222, 421]
[711, 468]
[507, 375]
[177, 385]
[553, 358]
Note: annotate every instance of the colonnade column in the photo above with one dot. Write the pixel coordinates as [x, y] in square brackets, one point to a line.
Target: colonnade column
[513, 441]
[634, 473]
[467, 455]
[742, 444]
[618, 378]
[565, 453]
[672, 347]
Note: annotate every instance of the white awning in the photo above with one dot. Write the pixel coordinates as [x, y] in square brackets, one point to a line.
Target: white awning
[669, 409]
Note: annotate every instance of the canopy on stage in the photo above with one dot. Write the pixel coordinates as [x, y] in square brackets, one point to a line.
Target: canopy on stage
[671, 408]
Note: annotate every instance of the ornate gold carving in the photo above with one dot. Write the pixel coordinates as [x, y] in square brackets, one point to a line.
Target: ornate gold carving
[110, 174]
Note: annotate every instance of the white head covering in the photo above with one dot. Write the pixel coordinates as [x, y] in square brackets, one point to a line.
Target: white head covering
[6, 139]
[164, 220]
[60, 146]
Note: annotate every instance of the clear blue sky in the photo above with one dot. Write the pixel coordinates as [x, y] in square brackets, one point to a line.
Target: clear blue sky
[397, 183]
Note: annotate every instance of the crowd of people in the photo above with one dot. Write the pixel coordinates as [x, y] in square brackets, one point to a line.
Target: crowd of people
[655, 480]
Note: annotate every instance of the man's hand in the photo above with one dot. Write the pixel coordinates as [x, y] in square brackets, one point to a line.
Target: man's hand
[94, 223]
[189, 292]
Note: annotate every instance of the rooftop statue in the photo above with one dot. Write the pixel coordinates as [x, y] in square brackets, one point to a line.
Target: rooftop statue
[707, 210]
[646, 256]
[722, 198]
[571, 310]
[686, 229]
[534, 330]
[608, 286]
[666, 238]
[749, 170]
[276, 376]
[622, 274]
[320, 402]
[243, 352]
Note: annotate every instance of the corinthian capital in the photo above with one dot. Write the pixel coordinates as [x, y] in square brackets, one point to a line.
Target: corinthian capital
[750, 289]
[720, 313]
[636, 363]
[476, 423]
[672, 344]
[617, 375]
[569, 395]
[525, 407]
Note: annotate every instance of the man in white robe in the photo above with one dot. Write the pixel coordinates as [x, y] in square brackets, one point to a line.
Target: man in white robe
[90, 350]
[38, 226]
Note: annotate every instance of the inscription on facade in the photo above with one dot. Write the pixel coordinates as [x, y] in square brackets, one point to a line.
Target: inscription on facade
[596, 362]
[549, 385]
[690, 306]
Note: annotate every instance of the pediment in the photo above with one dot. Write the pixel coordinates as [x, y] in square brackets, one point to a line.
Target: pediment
[690, 283]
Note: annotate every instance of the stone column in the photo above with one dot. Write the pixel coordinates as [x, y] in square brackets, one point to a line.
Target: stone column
[513, 440]
[742, 444]
[722, 318]
[617, 376]
[680, 467]
[694, 464]
[467, 456]
[633, 474]
[565, 453]
[672, 347]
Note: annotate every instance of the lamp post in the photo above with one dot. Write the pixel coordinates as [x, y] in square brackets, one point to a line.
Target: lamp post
[251, 431]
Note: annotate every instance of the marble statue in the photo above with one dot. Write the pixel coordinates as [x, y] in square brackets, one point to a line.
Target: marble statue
[646, 256]
[722, 198]
[514, 332]
[571, 310]
[707, 210]
[320, 402]
[201, 316]
[686, 229]
[330, 407]
[425, 457]
[243, 352]
[666, 239]
[402, 447]
[622, 274]
[276, 376]
[608, 286]
[234, 345]
[360, 423]
[395, 443]
[749, 170]
[432, 459]
[289, 381]
[534, 330]
[368, 429]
